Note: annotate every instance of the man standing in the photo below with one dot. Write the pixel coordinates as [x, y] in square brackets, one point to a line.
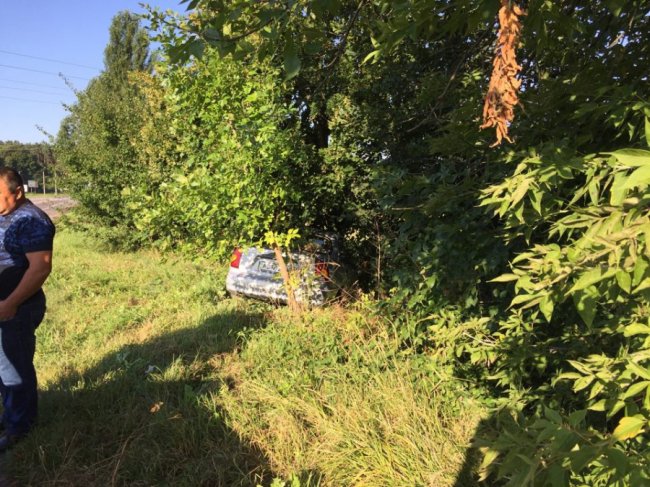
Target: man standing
[26, 237]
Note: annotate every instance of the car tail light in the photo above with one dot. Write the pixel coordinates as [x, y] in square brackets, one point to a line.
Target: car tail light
[322, 269]
[235, 258]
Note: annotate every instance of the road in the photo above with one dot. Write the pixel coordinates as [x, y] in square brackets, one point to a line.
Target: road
[53, 205]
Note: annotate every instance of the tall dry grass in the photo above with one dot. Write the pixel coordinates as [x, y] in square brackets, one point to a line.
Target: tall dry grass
[336, 398]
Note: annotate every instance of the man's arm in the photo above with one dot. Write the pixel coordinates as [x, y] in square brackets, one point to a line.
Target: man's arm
[40, 266]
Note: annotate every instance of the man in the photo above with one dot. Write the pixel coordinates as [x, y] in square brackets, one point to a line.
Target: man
[26, 237]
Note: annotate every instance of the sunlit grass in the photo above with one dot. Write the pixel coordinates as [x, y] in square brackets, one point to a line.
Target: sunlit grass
[150, 375]
[333, 396]
[123, 359]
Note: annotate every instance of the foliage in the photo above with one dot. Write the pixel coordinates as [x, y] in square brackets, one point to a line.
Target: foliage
[128, 46]
[30, 160]
[240, 171]
[363, 117]
[95, 143]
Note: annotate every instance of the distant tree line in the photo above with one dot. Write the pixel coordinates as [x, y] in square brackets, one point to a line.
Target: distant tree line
[32, 161]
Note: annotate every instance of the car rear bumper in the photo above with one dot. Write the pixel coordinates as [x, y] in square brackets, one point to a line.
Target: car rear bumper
[273, 290]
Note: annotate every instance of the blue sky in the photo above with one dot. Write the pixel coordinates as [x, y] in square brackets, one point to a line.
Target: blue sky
[38, 40]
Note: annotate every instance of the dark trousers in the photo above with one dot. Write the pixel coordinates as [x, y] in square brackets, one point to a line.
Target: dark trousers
[17, 373]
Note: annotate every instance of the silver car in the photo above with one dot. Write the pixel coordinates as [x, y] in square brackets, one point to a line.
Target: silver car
[254, 272]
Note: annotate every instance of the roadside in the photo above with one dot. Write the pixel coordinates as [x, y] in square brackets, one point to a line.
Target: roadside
[150, 374]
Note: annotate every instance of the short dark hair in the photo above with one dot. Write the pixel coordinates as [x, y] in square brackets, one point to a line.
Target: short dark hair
[12, 178]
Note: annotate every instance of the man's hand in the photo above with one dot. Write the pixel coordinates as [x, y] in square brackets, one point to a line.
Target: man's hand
[7, 311]
[40, 266]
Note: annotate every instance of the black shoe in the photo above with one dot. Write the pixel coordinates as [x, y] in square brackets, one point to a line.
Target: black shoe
[7, 441]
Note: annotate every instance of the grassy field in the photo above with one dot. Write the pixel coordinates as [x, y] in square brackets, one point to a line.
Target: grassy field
[150, 375]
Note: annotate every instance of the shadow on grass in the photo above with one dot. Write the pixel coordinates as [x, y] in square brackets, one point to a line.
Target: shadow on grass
[468, 475]
[147, 414]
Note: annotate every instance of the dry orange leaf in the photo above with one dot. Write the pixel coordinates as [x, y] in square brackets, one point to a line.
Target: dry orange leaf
[156, 407]
[502, 95]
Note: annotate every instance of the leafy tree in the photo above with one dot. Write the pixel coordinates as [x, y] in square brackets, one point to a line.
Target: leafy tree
[243, 172]
[567, 202]
[96, 142]
[30, 160]
[128, 47]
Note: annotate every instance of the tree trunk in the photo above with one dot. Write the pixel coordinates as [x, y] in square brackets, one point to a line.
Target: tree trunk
[284, 272]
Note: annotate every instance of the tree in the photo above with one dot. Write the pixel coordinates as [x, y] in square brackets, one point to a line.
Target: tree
[96, 142]
[568, 201]
[128, 47]
[32, 161]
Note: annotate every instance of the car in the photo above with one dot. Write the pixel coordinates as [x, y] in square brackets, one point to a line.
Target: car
[254, 272]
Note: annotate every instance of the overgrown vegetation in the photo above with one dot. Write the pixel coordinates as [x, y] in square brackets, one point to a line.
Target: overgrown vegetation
[523, 269]
[149, 375]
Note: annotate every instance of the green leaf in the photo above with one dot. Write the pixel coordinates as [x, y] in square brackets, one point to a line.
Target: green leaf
[647, 131]
[635, 388]
[546, 307]
[505, 278]
[643, 285]
[639, 177]
[589, 278]
[371, 56]
[291, 60]
[618, 460]
[520, 192]
[615, 408]
[581, 458]
[632, 157]
[489, 456]
[636, 329]
[196, 48]
[583, 383]
[640, 268]
[585, 304]
[552, 415]
[580, 367]
[577, 417]
[629, 427]
[536, 197]
[523, 298]
[615, 6]
[617, 191]
[598, 405]
[624, 281]
[638, 370]
[557, 476]
[569, 376]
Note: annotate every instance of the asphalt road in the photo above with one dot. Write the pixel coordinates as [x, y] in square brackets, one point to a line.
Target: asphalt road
[53, 205]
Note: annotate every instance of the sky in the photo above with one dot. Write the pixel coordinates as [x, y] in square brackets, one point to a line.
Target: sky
[40, 39]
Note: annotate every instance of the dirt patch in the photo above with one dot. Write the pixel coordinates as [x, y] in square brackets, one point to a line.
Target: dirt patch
[54, 206]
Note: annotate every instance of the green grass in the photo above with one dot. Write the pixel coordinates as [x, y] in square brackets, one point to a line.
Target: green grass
[129, 347]
[150, 375]
[333, 397]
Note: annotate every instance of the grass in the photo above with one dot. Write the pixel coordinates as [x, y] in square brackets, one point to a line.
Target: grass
[334, 398]
[124, 357]
[150, 375]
